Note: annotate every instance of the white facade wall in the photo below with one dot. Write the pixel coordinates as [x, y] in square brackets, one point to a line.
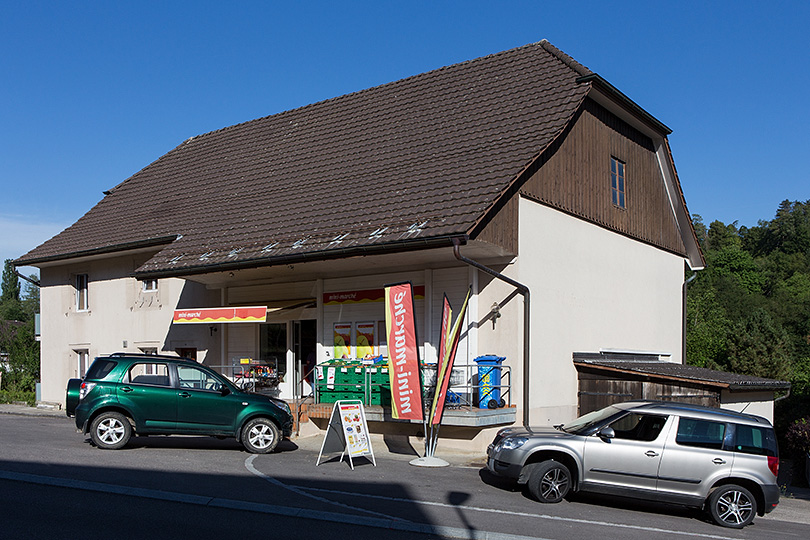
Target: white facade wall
[120, 317]
[757, 403]
[591, 290]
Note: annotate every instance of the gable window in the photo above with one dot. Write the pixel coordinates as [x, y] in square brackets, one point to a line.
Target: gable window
[617, 176]
[150, 285]
[82, 301]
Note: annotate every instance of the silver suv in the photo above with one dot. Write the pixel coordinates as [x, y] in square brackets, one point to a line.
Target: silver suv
[723, 461]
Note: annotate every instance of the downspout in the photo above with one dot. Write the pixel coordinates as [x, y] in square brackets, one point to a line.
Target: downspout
[523, 290]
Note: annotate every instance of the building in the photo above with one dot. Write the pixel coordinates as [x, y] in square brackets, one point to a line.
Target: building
[522, 175]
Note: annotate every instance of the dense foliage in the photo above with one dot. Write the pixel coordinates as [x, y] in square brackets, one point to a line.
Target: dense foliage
[749, 311]
[19, 349]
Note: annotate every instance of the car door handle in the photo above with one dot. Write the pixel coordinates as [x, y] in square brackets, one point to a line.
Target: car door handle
[651, 453]
[719, 461]
[184, 394]
[126, 389]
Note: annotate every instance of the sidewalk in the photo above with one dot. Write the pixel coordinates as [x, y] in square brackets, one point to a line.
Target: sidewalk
[794, 505]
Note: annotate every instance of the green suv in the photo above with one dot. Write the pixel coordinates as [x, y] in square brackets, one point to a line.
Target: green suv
[125, 394]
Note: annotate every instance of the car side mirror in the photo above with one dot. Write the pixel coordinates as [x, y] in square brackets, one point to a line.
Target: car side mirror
[224, 390]
[607, 433]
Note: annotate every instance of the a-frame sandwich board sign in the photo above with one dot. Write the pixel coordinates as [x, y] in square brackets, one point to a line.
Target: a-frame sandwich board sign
[347, 432]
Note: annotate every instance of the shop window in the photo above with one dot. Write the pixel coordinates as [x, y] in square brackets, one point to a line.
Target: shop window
[273, 347]
[617, 178]
[82, 300]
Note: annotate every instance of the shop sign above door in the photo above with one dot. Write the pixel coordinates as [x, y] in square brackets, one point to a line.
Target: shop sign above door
[221, 315]
[363, 296]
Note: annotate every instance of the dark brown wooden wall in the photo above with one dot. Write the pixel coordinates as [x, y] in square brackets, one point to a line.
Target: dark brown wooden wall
[574, 176]
[597, 391]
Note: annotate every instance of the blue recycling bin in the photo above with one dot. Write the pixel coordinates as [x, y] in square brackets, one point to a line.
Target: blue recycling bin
[489, 381]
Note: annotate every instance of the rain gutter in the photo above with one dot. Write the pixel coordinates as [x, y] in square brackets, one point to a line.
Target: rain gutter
[523, 290]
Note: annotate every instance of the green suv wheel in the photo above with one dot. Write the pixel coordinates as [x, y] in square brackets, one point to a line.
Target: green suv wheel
[110, 430]
[732, 506]
[260, 436]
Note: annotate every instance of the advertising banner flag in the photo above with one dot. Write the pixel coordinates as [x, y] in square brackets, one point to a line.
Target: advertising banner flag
[447, 316]
[446, 365]
[403, 353]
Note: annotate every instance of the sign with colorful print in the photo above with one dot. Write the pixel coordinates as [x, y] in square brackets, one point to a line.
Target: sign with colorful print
[347, 432]
[365, 339]
[220, 315]
[403, 353]
[343, 340]
[445, 366]
[354, 429]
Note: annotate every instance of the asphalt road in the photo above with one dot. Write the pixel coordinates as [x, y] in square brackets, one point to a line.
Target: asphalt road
[55, 484]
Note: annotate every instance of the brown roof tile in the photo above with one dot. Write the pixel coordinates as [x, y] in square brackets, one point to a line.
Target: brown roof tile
[417, 159]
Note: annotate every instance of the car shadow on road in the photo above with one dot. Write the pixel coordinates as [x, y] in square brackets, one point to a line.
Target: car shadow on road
[195, 442]
[608, 501]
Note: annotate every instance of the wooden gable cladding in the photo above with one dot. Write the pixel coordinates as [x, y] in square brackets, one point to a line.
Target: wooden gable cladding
[598, 390]
[574, 176]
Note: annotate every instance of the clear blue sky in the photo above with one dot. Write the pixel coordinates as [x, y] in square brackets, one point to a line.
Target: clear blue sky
[91, 92]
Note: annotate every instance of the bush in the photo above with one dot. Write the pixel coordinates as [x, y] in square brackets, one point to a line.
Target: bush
[14, 396]
[798, 435]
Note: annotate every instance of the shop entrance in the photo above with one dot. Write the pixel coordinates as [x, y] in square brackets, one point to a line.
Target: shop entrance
[289, 348]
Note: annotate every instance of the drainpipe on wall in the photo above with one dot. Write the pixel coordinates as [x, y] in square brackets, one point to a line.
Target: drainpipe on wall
[523, 290]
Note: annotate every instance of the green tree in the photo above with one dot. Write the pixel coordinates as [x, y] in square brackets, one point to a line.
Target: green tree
[759, 346]
[10, 304]
[707, 330]
[30, 298]
[11, 283]
[23, 357]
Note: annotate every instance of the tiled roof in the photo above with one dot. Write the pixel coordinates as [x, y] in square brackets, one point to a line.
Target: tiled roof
[683, 372]
[414, 160]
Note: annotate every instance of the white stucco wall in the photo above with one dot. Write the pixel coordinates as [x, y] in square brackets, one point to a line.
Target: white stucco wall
[591, 289]
[757, 403]
[121, 317]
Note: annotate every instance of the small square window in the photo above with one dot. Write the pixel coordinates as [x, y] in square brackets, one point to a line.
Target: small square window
[150, 285]
[617, 178]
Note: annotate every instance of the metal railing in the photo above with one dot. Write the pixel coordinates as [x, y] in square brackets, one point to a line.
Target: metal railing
[465, 389]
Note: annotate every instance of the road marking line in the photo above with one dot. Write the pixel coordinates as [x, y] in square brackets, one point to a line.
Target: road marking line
[300, 491]
[521, 514]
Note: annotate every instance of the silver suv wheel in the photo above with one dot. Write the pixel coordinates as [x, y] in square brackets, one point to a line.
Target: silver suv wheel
[732, 506]
[550, 482]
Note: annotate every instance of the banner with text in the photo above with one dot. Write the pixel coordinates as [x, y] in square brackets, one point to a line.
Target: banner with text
[445, 367]
[403, 353]
[220, 315]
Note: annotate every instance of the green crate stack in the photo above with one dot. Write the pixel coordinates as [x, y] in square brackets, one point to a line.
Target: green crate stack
[349, 384]
[379, 386]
